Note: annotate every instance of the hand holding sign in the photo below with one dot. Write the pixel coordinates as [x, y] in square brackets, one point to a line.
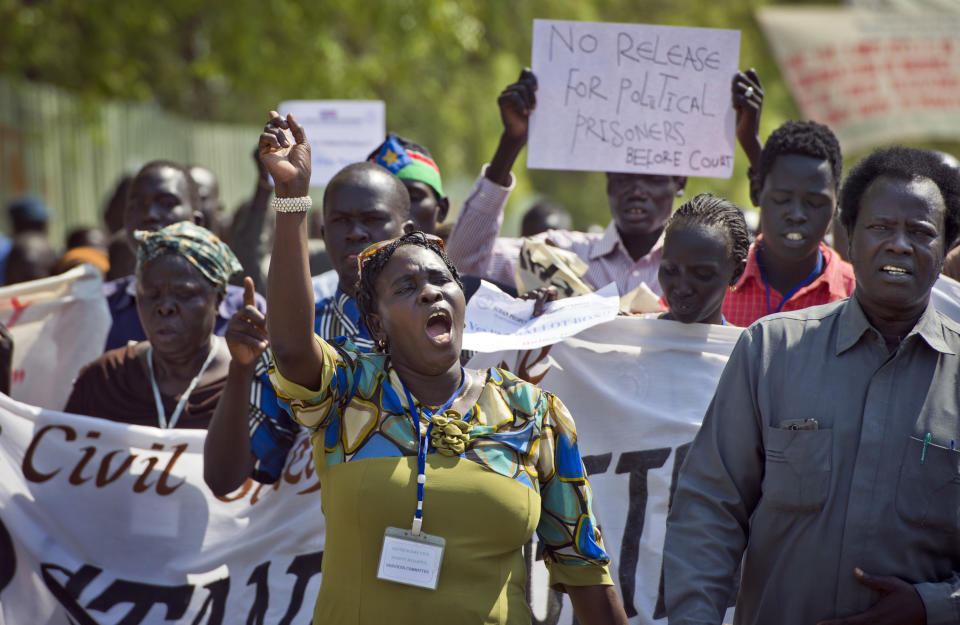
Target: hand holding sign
[516, 102]
[633, 98]
[747, 94]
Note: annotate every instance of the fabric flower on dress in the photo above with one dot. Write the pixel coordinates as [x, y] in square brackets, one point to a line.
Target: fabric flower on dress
[450, 433]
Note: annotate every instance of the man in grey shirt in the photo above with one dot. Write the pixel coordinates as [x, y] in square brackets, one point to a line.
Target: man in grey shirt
[827, 460]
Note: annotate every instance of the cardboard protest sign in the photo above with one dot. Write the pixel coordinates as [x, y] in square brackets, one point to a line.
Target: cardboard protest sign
[873, 77]
[633, 98]
[340, 132]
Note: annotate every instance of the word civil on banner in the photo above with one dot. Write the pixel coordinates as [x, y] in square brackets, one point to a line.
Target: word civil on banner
[340, 132]
[873, 77]
[633, 98]
[103, 523]
[637, 389]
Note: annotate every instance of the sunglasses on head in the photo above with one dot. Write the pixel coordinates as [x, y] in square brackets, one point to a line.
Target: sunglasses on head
[370, 250]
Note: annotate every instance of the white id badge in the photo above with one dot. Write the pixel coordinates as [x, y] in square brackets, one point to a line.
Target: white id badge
[410, 559]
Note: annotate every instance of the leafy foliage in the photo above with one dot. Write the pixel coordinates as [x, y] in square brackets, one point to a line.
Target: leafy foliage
[439, 65]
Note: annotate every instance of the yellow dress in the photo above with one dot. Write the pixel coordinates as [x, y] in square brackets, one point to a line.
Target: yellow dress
[520, 472]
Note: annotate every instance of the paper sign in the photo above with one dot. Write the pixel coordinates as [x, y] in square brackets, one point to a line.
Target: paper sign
[633, 98]
[874, 77]
[340, 132]
[495, 321]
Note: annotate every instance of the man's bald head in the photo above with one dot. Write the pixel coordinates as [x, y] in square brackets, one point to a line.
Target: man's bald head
[363, 204]
[375, 178]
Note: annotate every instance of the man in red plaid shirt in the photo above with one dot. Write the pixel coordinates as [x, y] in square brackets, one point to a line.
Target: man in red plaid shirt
[795, 185]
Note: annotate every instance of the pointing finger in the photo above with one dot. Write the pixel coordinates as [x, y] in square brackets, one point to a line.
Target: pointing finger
[249, 298]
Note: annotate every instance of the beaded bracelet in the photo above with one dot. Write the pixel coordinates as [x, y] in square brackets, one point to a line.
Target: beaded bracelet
[291, 204]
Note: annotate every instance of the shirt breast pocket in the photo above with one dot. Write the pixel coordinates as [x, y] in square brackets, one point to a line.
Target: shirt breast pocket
[928, 493]
[797, 469]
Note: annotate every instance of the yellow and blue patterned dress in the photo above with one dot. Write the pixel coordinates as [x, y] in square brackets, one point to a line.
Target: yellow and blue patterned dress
[521, 471]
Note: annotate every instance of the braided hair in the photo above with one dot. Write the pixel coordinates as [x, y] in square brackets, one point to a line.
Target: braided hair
[708, 210]
[373, 265]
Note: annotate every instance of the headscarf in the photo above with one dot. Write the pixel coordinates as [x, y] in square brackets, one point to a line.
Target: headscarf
[408, 164]
[202, 248]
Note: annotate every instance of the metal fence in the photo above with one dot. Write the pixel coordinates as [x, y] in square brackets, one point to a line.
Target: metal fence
[72, 151]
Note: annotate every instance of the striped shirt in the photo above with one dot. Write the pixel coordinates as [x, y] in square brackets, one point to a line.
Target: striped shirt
[272, 429]
[475, 248]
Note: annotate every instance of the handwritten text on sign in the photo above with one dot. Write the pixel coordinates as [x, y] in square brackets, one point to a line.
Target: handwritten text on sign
[633, 98]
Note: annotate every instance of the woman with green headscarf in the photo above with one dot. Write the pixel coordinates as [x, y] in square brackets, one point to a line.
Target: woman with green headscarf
[175, 377]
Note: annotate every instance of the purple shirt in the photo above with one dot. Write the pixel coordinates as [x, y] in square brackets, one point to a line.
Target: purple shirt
[126, 322]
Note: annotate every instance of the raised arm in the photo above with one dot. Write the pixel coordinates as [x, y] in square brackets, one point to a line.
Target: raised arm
[286, 154]
[516, 103]
[473, 245]
[227, 460]
[747, 95]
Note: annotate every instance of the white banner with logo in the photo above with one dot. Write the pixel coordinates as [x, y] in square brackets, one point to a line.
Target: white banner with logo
[58, 325]
[638, 389]
[103, 523]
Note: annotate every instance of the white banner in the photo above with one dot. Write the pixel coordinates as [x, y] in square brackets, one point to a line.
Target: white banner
[638, 389]
[633, 98]
[340, 132]
[111, 524]
[873, 77]
[58, 325]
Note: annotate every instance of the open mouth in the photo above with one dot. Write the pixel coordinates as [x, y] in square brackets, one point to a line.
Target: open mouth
[895, 271]
[439, 326]
[795, 238]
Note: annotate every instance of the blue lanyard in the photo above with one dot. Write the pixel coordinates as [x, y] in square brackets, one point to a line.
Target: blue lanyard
[813, 275]
[422, 444]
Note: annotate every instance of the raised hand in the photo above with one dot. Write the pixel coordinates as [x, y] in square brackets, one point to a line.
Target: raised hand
[516, 102]
[284, 151]
[747, 98]
[900, 603]
[247, 331]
